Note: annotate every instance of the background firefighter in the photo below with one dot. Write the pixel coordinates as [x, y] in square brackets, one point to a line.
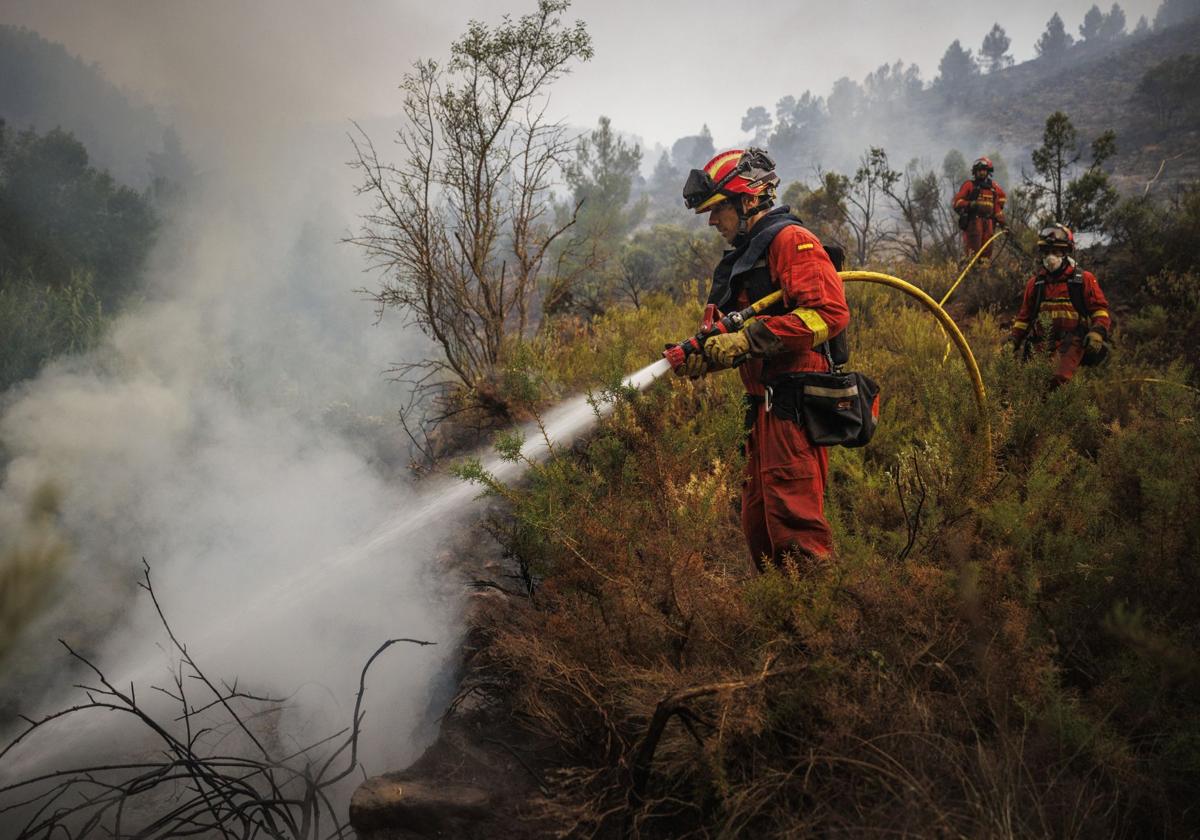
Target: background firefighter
[783, 496]
[1064, 312]
[979, 204]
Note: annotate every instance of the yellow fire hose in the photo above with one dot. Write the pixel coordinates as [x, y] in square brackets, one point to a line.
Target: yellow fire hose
[962, 277]
[971, 264]
[1156, 381]
[948, 326]
[947, 323]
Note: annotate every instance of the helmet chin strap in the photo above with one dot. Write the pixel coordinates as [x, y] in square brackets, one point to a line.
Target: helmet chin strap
[744, 215]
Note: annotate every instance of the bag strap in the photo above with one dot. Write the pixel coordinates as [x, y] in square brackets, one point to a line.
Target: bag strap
[1075, 292]
[828, 356]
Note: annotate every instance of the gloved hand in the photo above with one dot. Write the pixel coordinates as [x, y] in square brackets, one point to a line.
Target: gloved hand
[721, 350]
[1093, 342]
[1010, 344]
[694, 366]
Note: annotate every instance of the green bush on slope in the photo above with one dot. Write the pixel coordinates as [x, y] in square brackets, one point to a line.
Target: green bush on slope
[1002, 647]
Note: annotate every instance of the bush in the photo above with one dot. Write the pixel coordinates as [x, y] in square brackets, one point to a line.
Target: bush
[1003, 646]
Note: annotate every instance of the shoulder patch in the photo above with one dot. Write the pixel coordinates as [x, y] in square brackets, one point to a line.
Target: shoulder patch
[804, 246]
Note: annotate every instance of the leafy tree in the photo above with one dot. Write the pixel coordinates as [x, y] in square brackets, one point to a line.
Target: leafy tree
[955, 69]
[60, 217]
[1093, 21]
[757, 121]
[665, 187]
[462, 227]
[1053, 161]
[1054, 41]
[1091, 196]
[693, 151]
[995, 49]
[1113, 26]
[665, 258]
[824, 208]
[892, 84]
[799, 130]
[72, 245]
[1079, 202]
[805, 111]
[955, 168]
[844, 101]
[43, 86]
[601, 180]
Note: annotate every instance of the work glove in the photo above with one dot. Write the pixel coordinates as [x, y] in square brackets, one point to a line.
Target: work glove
[694, 366]
[1093, 342]
[754, 339]
[721, 350]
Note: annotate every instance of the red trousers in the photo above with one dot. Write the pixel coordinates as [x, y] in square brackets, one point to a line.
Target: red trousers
[783, 497]
[979, 230]
[1066, 359]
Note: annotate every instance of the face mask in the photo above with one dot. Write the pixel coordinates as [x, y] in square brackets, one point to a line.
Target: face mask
[1052, 262]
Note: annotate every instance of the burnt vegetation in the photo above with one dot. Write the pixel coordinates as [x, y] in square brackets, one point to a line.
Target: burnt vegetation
[213, 763]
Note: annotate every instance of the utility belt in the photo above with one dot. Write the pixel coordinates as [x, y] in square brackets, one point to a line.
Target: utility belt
[835, 409]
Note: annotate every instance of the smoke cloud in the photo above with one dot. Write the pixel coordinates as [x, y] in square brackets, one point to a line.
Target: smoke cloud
[235, 428]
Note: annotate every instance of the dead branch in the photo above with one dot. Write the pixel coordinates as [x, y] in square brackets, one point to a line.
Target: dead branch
[676, 705]
[188, 791]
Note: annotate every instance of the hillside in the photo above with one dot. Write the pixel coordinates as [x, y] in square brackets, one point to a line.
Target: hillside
[1096, 85]
[997, 113]
[42, 86]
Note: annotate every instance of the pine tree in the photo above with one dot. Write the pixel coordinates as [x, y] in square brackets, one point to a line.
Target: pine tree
[956, 68]
[995, 48]
[758, 121]
[1054, 40]
[1142, 29]
[1092, 22]
[1171, 12]
[1113, 26]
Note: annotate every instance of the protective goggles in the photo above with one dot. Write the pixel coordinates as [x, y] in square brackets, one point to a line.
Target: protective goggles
[700, 187]
[1051, 238]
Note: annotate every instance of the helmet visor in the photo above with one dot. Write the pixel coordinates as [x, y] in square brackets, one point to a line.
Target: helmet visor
[698, 188]
[1052, 238]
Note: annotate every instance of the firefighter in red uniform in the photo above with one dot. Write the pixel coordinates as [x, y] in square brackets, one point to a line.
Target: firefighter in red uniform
[979, 204]
[783, 496]
[1064, 312]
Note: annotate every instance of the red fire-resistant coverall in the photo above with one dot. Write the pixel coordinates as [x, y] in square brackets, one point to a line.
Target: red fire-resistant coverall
[985, 211]
[1055, 327]
[783, 497]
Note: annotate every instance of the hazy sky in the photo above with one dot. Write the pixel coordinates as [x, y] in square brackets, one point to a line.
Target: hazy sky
[661, 68]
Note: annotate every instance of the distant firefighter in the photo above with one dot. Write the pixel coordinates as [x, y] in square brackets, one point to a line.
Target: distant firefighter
[979, 204]
[1064, 312]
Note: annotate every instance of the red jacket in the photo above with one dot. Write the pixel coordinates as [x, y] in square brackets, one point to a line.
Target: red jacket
[811, 285]
[989, 204]
[1057, 316]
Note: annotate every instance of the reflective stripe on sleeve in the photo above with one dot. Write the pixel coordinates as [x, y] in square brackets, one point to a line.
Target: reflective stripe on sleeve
[1099, 313]
[814, 322]
[1020, 325]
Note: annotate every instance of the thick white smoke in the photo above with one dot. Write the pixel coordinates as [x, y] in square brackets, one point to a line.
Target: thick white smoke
[236, 430]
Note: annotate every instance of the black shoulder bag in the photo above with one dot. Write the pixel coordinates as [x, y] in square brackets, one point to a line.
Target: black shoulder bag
[835, 408]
